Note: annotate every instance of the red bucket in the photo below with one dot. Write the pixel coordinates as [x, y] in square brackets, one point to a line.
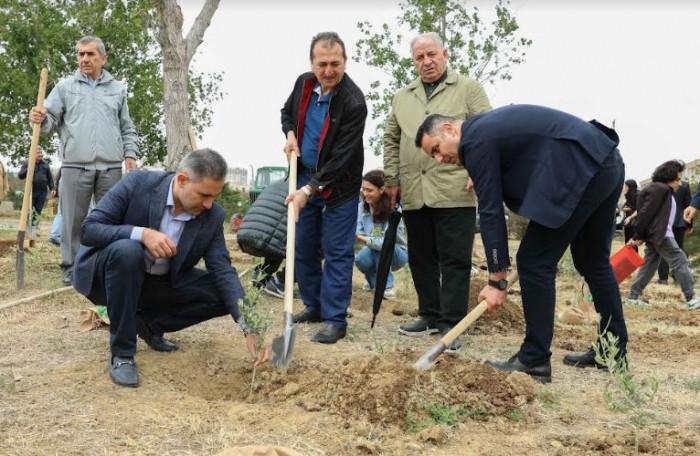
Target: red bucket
[624, 262]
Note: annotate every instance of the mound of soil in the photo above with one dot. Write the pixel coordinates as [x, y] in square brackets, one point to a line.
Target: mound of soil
[386, 389]
[652, 441]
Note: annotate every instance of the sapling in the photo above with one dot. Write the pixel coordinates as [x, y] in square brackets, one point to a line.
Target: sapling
[258, 320]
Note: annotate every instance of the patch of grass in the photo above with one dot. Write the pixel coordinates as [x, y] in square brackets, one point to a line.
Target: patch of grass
[517, 414]
[7, 384]
[693, 384]
[549, 398]
[431, 413]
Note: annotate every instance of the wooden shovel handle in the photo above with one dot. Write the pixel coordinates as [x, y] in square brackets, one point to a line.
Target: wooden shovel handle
[472, 316]
[32, 154]
[291, 237]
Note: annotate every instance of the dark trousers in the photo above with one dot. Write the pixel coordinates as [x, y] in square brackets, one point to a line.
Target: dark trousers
[440, 243]
[122, 284]
[38, 201]
[679, 236]
[325, 255]
[588, 233]
[629, 232]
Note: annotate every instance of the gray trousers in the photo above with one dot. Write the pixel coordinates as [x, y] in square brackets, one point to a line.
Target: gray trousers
[676, 259]
[77, 187]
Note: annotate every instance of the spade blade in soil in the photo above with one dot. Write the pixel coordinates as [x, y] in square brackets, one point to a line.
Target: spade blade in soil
[283, 346]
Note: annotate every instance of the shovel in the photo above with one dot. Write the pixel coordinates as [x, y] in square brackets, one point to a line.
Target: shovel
[26, 200]
[427, 360]
[283, 346]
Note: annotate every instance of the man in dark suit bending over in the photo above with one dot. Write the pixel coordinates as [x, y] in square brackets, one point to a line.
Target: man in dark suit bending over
[140, 246]
[563, 174]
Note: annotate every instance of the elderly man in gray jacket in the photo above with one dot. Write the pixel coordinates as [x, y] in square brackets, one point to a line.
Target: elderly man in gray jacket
[90, 114]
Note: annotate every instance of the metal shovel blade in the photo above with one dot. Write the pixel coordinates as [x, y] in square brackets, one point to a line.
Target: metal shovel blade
[283, 346]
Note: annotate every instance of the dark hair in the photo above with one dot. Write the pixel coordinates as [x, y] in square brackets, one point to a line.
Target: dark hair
[381, 211]
[430, 125]
[330, 38]
[204, 163]
[668, 171]
[631, 193]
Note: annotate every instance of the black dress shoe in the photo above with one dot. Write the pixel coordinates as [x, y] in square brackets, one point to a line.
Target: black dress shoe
[541, 373]
[585, 359]
[307, 316]
[157, 343]
[329, 334]
[420, 327]
[123, 372]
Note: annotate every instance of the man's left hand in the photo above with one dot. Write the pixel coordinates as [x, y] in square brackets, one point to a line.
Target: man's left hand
[299, 198]
[260, 357]
[493, 296]
[130, 164]
[635, 242]
[470, 185]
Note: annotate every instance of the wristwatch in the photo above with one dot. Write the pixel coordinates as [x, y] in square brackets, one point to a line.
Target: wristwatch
[306, 190]
[500, 284]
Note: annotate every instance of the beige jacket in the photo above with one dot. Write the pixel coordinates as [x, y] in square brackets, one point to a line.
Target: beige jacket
[422, 180]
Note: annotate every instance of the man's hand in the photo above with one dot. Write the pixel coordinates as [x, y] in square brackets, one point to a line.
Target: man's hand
[160, 245]
[299, 198]
[635, 242]
[493, 296]
[130, 164]
[689, 213]
[627, 221]
[36, 115]
[470, 185]
[291, 146]
[394, 192]
[261, 357]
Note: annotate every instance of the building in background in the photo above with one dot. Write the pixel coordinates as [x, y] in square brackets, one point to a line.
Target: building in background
[237, 178]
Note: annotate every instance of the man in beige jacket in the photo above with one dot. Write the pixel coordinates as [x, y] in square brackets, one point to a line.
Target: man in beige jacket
[438, 204]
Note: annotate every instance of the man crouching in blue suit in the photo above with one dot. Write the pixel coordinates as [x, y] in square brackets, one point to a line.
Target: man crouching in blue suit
[140, 246]
[563, 174]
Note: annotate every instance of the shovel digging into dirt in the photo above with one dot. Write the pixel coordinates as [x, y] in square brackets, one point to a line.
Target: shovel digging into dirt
[283, 346]
[26, 201]
[427, 360]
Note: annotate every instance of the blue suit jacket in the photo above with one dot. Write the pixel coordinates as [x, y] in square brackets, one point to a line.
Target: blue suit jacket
[535, 159]
[139, 200]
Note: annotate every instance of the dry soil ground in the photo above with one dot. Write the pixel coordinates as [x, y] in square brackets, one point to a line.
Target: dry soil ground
[357, 397]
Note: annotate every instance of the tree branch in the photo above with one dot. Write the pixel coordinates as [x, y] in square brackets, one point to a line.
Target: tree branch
[196, 33]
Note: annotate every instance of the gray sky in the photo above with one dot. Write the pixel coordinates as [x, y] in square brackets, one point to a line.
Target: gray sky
[634, 62]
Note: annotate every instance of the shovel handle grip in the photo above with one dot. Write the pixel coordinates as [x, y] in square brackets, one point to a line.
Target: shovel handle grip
[472, 316]
[291, 239]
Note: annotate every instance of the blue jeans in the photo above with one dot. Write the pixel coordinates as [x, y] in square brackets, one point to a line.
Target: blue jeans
[56, 226]
[38, 201]
[588, 233]
[325, 240]
[367, 261]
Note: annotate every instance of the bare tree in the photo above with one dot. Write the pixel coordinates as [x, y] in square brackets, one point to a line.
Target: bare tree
[177, 55]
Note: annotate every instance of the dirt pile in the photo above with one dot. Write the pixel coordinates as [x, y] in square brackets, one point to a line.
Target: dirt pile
[507, 319]
[649, 441]
[386, 389]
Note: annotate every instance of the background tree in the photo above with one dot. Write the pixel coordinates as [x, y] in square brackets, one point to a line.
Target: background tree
[42, 33]
[485, 52]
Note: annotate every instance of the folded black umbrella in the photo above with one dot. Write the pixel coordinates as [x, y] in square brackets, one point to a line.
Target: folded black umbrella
[385, 257]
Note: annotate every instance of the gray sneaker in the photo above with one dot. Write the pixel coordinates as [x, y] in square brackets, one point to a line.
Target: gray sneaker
[638, 303]
[694, 304]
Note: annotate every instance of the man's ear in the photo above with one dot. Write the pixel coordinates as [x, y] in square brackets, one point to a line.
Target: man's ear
[449, 129]
[181, 178]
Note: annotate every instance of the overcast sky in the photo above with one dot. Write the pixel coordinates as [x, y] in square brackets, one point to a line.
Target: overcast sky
[635, 62]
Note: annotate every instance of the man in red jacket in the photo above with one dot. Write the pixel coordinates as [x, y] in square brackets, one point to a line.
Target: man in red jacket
[656, 211]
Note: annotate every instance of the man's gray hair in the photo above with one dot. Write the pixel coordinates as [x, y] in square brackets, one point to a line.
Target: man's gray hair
[329, 38]
[430, 126]
[91, 39]
[204, 163]
[432, 35]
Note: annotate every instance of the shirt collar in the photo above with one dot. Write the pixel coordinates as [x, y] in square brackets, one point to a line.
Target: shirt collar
[322, 98]
[170, 204]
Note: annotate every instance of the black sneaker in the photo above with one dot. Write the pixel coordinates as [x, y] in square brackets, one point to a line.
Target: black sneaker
[274, 288]
[420, 327]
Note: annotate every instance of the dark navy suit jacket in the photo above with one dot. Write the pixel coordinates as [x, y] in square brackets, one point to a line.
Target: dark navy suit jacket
[535, 159]
[139, 200]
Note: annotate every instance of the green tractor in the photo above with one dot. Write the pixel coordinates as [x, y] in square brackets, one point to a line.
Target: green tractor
[264, 177]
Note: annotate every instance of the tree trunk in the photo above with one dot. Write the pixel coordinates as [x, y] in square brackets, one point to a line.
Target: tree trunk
[177, 55]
